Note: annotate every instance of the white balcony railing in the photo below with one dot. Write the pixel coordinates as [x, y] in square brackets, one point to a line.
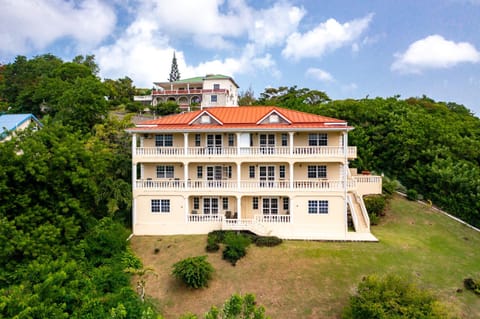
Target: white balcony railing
[327, 151]
[244, 185]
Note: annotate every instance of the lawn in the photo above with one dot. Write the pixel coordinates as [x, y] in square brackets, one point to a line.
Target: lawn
[306, 279]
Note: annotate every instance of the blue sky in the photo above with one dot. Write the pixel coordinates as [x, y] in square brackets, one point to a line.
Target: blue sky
[347, 48]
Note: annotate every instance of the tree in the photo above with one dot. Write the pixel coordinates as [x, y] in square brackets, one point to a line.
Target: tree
[247, 97]
[174, 72]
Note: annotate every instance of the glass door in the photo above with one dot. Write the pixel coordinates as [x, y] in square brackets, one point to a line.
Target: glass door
[267, 176]
[210, 205]
[267, 143]
[270, 206]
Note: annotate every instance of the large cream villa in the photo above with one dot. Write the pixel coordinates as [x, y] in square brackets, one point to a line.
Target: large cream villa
[265, 169]
[202, 91]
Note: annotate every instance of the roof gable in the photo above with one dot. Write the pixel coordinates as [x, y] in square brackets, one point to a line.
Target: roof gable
[274, 117]
[205, 118]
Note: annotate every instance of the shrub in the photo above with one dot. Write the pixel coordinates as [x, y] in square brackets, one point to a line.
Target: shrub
[268, 241]
[195, 272]
[374, 219]
[238, 307]
[375, 204]
[236, 247]
[212, 244]
[471, 284]
[412, 194]
[392, 297]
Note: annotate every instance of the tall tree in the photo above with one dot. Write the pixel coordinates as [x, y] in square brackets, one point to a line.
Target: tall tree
[174, 73]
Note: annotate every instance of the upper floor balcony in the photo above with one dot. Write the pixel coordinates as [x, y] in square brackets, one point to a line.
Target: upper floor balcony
[189, 91]
[152, 154]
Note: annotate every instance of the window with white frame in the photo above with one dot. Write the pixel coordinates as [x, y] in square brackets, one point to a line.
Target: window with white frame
[196, 203]
[160, 205]
[231, 139]
[216, 86]
[318, 206]
[317, 171]
[317, 139]
[284, 139]
[163, 140]
[255, 203]
[213, 98]
[286, 203]
[225, 203]
[197, 140]
[165, 171]
[251, 171]
[199, 171]
[281, 172]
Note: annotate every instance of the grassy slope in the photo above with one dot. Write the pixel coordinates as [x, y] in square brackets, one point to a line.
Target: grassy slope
[301, 279]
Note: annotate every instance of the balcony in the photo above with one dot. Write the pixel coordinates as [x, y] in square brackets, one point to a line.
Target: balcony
[228, 152]
[188, 91]
[244, 186]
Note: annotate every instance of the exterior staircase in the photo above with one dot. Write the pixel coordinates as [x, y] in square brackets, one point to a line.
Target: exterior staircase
[360, 218]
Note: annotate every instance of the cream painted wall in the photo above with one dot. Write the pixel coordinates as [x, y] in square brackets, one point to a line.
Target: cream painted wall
[301, 171]
[150, 170]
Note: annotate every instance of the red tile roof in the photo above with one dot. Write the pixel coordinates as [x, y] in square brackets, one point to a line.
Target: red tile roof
[242, 117]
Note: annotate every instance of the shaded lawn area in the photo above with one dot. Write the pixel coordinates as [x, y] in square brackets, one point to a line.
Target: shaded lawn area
[306, 279]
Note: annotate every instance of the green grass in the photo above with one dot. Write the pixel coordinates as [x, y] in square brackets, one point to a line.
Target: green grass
[306, 279]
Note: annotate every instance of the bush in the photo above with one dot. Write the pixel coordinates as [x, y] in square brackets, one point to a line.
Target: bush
[392, 297]
[195, 272]
[236, 247]
[268, 241]
[375, 204]
[212, 244]
[412, 194]
[374, 219]
[471, 284]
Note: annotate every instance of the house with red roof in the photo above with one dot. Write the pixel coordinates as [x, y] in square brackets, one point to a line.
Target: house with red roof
[265, 169]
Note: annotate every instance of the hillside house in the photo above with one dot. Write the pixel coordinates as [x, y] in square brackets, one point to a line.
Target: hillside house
[203, 91]
[266, 169]
[11, 123]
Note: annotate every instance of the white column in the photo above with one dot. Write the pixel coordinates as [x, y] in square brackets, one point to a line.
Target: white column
[134, 144]
[134, 175]
[345, 168]
[239, 207]
[185, 143]
[185, 174]
[291, 142]
[238, 143]
[291, 173]
[239, 176]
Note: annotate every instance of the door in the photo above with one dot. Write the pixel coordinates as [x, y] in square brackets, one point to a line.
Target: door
[267, 176]
[210, 205]
[267, 143]
[270, 206]
[214, 143]
[214, 176]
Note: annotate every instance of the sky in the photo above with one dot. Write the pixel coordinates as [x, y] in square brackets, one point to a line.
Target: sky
[346, 48]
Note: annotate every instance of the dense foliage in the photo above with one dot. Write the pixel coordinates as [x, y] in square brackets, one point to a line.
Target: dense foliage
[431, 147]
[195, 272]
[65, 197]
[392, 297]
[238, 306]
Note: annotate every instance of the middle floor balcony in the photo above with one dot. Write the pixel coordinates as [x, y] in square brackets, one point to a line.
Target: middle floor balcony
[332, 153]
[244, 186]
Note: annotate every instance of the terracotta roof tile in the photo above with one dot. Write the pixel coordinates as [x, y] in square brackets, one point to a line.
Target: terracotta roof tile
[245, 117]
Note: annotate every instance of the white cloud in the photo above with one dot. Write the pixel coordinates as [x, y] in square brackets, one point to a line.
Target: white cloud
[273, 25]
[434, 52]
[327, 36]
[35, 24]
[319, 74]
[144, 54]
